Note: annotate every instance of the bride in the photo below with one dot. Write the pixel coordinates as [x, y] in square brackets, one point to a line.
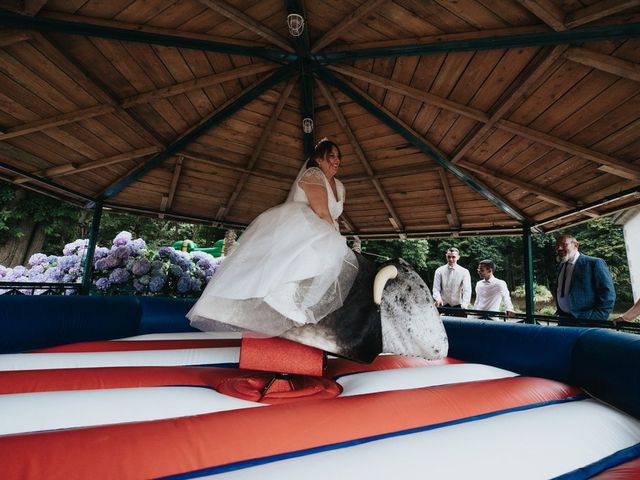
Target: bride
[291, 267]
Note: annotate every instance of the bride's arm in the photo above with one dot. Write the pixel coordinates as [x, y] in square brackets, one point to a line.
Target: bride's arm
[318, 200]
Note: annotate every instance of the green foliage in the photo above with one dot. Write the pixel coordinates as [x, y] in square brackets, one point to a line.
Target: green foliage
[415, 252]
[540, 293]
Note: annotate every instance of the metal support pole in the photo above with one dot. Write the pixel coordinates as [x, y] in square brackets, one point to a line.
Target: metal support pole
[91, 248]
[528, 272]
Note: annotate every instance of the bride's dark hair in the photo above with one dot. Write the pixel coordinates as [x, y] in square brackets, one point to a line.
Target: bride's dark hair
[323, 147]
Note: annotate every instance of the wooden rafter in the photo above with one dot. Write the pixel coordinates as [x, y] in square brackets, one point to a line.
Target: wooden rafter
[67, 17]
[9, 37]
[32, 7]
[257, 150]
[247, 22]
[391, 172]
[623, 169]
[447, 37]
[73, 168]
[198, 83]
[597, 11]
[518, 90]
[56, 121]
[452, 218]
[91, 85]
[542, 193]
[344, 123]
[346, 23]
[173, 185]
[348, 223]
[606, 63]
[217, 162]
[436, 155]
[547, 11]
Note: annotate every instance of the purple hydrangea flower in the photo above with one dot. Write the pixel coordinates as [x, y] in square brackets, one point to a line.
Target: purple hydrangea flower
[111, 261]
[37, 259]
[175, 270]
[122, 239]
[141, 267]
[196, 285]
[138, 244]
[138, 286]
[122, 253]
[156, 283]
[166, 252]
[100, 265]
[144, 279]
[103, 283]
[184, 284]
[100, 252]
[119, 275]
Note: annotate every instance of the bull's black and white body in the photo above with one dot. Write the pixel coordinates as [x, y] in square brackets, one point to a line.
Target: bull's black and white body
[406, 322]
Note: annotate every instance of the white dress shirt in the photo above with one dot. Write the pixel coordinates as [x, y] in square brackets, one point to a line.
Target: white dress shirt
[565, 271]
[452, 285]
[491, 293]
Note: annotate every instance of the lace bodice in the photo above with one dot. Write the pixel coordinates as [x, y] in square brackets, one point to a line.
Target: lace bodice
[315, 176]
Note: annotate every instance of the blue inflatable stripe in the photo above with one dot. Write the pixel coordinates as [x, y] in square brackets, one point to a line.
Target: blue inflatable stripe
[603, 464]
[335, 446]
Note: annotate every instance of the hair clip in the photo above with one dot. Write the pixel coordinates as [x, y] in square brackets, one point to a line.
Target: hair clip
[323, 139]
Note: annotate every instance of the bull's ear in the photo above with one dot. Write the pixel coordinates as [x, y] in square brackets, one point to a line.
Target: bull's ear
[385, 274]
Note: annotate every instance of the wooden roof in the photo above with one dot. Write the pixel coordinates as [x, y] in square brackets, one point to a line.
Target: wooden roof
[466, 116]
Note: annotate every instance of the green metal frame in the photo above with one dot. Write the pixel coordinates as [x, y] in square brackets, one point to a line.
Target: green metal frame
[588, 34]
[13, 20]
[529, 293]
[91, 248]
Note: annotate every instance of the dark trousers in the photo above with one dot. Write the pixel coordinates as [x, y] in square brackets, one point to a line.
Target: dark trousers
[562, 313]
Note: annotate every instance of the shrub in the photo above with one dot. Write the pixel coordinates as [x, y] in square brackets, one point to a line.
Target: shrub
[541, 294]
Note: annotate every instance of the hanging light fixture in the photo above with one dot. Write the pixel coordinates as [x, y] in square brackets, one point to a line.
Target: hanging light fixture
[307, 125]
[295, 23]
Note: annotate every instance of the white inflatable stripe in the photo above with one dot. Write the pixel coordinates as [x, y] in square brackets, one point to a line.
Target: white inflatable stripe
[32, 412]
[186, 336]
[190, 356]
[417, 377]
[529, 444]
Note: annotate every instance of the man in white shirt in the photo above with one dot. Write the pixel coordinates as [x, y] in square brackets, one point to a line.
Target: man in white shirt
[491, 291]
[452, 283]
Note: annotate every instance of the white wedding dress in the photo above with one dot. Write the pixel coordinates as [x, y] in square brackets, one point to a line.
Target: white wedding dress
[290, 268]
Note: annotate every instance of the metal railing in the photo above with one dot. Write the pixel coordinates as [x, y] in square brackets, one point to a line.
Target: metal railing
[632, 327]
[31, 288]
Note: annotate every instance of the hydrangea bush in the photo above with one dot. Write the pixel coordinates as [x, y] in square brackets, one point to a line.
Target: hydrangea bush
[128, 266]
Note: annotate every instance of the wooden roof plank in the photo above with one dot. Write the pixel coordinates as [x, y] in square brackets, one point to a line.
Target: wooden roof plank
[606, 63]
[598, 10]
[547, 11]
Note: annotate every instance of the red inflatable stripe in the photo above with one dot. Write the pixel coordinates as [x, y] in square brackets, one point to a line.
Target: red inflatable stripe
[626, 471]
[166, 447]
[127, 345]
[25, 381]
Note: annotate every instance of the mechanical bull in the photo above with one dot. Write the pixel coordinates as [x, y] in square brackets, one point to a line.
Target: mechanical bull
[389, 309]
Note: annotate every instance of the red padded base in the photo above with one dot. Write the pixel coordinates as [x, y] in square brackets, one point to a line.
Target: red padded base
[273, 354]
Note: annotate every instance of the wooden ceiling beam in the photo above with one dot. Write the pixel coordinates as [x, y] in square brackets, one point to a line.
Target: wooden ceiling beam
[93, 86]
[547, 11]
[416, 93]
[196, 84]
[628, 170]
[173, 185]
[392, 172]
[228, 108]
[346, 23]
[32, 7]
[452, 218]
[257, 150]
[56, 121]
[414, 138]
[247, 22]
[217, 162]
[10, 37]
[624, 169]
[605, 63]
[543, 193]
[73, 168]
[518, 90]
[598, 10]
[344, 123]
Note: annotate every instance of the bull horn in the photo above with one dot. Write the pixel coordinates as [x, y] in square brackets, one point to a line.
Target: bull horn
[382, 277]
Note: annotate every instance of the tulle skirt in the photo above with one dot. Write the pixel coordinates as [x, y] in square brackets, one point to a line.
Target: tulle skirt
[290, 268]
